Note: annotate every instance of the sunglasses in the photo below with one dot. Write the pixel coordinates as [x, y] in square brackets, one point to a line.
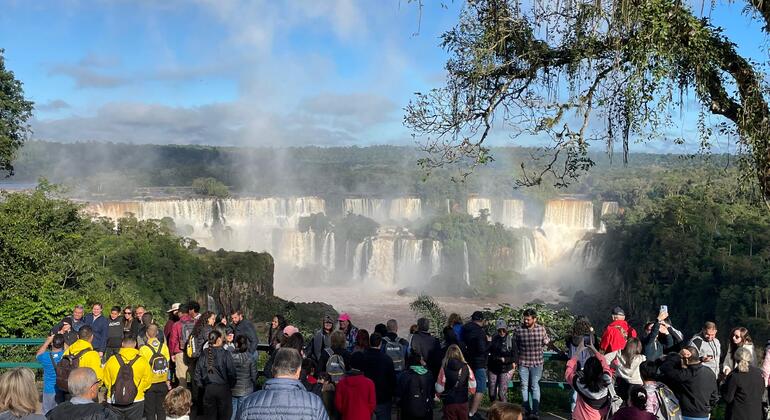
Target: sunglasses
[98, 382]
[128, 313]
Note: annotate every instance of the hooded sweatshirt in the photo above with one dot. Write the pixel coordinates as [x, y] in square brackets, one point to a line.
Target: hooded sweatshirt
[89, 359]
[148, 351]
[141, 367]
[616, 335]
[355, 397]
[591, 405]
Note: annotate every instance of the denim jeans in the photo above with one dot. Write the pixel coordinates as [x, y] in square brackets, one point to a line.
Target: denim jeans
[530, 383]
[236, 403]
[49, 402]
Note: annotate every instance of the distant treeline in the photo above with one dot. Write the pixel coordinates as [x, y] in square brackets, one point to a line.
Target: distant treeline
[114, 169]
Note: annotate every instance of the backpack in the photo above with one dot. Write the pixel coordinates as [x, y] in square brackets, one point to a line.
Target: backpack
[124, 391]
[335, 366]
[187, 329]
[158, 362]
[668, 405]
[416, 403]
[67, 364]
[193, 348]
[395, 351]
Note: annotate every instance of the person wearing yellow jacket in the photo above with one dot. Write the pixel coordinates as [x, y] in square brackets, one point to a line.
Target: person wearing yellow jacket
[142, 373]
[154, 351]
[89, 359]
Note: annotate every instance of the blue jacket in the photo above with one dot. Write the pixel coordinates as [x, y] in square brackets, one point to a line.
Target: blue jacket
[282, 399]
[99, 325]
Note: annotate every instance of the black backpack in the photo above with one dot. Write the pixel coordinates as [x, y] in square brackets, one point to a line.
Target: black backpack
[67, 364]
[416, 403]
[124, 391]
[158, 362]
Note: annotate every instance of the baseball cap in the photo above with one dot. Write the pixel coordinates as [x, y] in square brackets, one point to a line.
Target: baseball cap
[344, 317]
[501, 325]
[290, 330]
[477, 316]
[174, 307]
[618, 311]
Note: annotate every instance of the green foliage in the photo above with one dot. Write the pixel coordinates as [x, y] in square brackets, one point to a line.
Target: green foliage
[557, 321]
[425, 307]
[210, 187]
[53, 257]
[15, 112]
[354, 228]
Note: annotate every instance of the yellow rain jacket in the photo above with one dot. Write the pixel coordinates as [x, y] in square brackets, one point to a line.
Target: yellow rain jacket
[142, 372]
[147, 353]
[89, 359]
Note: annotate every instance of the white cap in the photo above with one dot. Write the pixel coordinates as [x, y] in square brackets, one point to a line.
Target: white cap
[174, 307]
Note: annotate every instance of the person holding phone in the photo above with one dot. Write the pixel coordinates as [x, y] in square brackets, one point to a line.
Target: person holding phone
[709, 349]
[656, 336]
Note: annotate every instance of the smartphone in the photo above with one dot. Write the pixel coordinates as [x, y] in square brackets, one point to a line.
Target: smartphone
[664, 308]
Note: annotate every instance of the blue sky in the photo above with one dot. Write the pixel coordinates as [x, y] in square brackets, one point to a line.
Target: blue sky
[231, 72]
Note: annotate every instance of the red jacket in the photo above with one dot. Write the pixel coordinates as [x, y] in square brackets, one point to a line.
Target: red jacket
[615, 336]
[355, 398]
[176, 335]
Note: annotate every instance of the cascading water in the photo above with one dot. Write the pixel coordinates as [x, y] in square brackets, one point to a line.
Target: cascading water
[585, 255]
[512, 214]
[328, 252]
[297, 248]
[372, 208]
[466, 265]
[435, 258]
[608, 207]
[408, 208]
[474, 205]
[408, 254]
[381, 265]
[571, 214]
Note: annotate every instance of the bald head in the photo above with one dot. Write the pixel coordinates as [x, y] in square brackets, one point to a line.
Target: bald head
[82, 382]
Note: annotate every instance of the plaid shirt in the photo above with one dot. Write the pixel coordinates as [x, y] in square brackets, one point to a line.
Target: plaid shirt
[530, 343]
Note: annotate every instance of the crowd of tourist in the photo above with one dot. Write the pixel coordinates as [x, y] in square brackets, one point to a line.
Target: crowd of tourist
[205, 366]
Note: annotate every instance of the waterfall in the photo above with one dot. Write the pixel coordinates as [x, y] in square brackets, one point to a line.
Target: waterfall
[381, 268]
[328, 252]
[534, 251]
[360, 260]
[513, 214]
[571, 214]
[435, 258]
[297, 248]
[585, 255]
[608, 207]
[408, 253]
[369, 207]
[474, 205]
[466, 265]
[405, 209]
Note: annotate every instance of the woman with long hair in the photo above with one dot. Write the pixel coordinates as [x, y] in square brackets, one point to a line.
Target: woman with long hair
[739, 338]
[338, 347]
[626, 364]
[454, 383]
[591, 384]
[18, 395]
[455, 322]
[275, 333]
[245, 371]
[744, 388]
[362, 341]
[215, 375]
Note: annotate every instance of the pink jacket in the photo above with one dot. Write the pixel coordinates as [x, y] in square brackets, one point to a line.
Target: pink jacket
[583, 411]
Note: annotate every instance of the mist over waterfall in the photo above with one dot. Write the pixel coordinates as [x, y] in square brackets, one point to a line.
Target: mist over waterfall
[392, 255]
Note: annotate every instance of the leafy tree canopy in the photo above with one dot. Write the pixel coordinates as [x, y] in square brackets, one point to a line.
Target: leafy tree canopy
[15, 111]
[576, 71]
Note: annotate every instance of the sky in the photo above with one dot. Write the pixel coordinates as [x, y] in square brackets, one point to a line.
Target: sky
[242, 73]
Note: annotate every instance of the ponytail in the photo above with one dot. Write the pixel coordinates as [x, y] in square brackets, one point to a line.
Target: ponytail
[214, 335]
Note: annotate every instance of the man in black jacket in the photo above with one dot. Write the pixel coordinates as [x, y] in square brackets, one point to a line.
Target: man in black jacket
[379, 368]
[693, 383]
[427, 346]
[84, 387]
[477, 345]
[245, 328]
